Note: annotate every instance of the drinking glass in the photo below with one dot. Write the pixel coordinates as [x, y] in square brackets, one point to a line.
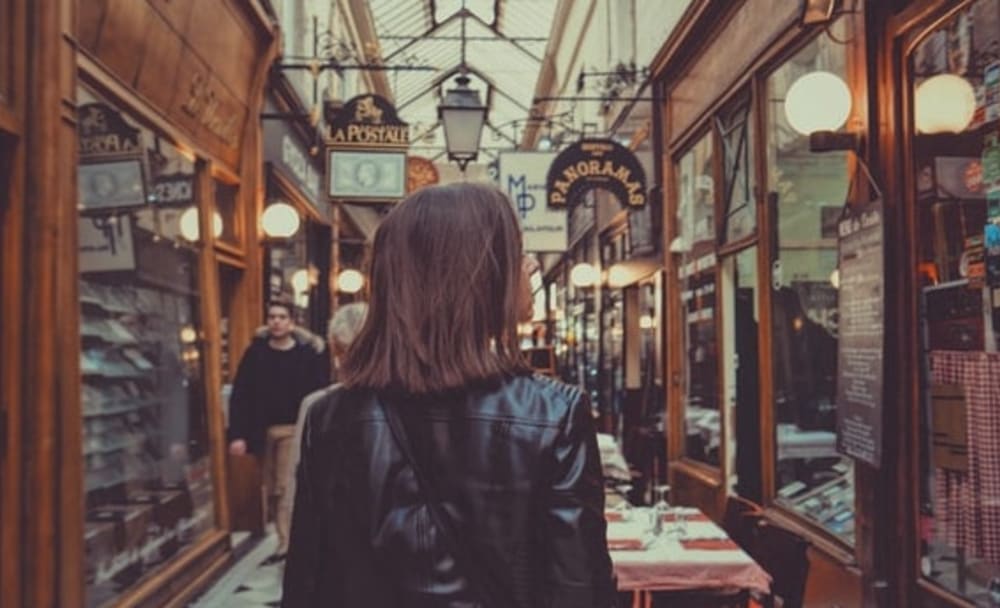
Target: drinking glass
[661, 508]
[624, 507]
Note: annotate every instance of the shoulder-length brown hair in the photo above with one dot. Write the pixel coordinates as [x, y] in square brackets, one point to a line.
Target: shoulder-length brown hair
[445, 291]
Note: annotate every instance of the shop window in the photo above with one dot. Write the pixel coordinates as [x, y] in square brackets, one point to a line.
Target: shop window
[739, 219]
[146, 455]
[955, 75]
[228, 207]
[741, 372]
[695, 240]
[806, 193]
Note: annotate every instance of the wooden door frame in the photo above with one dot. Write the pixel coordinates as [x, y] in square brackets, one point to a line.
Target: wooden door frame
[901, 31]
[12, 200]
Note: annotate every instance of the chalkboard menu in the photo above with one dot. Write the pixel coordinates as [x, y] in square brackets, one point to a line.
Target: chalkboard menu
[861, 305]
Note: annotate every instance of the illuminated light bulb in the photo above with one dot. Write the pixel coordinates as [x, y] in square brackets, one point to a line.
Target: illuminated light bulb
[350, 281]
[818, 101]
[280, 220]
[944, 104]
[584, 275]
[617, 275]
[300, 280]
[189, 224]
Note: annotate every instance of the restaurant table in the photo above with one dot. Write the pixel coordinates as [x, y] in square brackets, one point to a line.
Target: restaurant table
[694, 555]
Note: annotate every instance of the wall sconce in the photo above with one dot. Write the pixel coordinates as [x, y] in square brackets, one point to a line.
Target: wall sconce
[584, 275]
[350, 281]
[647, 322]
[818, 104]
[280, 220]
[188, 223]
[944, 103]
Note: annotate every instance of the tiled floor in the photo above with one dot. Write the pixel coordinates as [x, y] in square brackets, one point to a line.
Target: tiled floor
[248, 584]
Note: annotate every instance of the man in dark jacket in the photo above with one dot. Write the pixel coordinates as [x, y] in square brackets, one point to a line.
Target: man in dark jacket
[277, 370]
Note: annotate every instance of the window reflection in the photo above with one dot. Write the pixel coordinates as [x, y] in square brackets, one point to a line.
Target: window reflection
[147, 474]
[695, 241]
[806, 194]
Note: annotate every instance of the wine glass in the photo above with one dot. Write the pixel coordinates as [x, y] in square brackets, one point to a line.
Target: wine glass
[661, 508]
[624, 507]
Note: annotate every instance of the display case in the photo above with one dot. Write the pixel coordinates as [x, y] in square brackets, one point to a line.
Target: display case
[146, 464]
[829, 505]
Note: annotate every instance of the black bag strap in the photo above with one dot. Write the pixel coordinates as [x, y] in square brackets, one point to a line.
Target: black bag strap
[493, 593]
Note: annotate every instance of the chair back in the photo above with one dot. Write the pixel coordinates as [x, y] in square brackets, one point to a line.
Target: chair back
[783, 554]
[741, 519]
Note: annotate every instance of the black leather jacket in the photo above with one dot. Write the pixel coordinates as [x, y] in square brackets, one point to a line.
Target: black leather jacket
[517, 467]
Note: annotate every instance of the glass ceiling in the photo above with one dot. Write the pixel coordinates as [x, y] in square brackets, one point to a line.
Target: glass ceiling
[505, 44]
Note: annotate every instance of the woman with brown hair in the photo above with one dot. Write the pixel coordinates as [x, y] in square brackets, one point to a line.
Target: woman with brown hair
[442, 473]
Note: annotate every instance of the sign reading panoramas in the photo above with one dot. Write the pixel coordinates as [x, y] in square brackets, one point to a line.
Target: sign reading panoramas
[595, 163]
[366, 156]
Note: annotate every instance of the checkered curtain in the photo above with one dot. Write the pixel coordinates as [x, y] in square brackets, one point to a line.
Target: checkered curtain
[967, 503]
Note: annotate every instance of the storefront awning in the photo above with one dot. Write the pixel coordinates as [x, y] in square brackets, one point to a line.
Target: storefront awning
[364, 217]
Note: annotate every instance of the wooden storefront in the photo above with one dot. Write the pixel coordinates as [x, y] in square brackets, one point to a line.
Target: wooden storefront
[115, 118]
[752, 282]
[747, 237]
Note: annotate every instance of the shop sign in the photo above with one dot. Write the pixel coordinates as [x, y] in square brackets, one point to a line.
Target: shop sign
[103, 132]
[522, 177]
[861, 312]
[105, 243]
[420, 172]
[210, 109]
[367, 175]
[283, 150]
[596, 164]
[109, 184]
[174, 189]
[369, 121]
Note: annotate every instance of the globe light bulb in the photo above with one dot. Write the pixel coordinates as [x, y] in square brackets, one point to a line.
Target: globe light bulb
[944, 104]
[188, 223]
[584, 275]
[818, 101]
[350, 281]
[280, 220]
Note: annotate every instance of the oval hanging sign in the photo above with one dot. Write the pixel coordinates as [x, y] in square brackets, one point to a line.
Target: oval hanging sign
[370, 121]
[595, 163]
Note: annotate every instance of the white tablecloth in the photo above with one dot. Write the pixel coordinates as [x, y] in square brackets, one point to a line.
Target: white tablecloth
[665, 565]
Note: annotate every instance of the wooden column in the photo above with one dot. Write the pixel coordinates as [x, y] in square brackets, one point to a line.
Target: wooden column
[12, 201]
[52, 488]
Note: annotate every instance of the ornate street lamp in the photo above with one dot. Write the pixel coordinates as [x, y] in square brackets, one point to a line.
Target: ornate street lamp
[463, 115]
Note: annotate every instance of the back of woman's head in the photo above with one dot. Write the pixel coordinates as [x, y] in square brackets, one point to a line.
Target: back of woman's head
[445, 284]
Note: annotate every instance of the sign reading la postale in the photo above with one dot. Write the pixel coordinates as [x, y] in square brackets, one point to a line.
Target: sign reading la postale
[595, 163]
[369, 121]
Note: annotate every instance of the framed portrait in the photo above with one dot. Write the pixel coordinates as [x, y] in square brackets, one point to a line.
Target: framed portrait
[111, 184]
[367, 175]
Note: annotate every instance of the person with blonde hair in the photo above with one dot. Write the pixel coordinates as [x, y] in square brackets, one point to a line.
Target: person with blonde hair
[442, 472]
[341, 331]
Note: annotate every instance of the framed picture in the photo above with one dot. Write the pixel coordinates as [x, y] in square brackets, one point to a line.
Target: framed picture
[360, 175]
[111, 184]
